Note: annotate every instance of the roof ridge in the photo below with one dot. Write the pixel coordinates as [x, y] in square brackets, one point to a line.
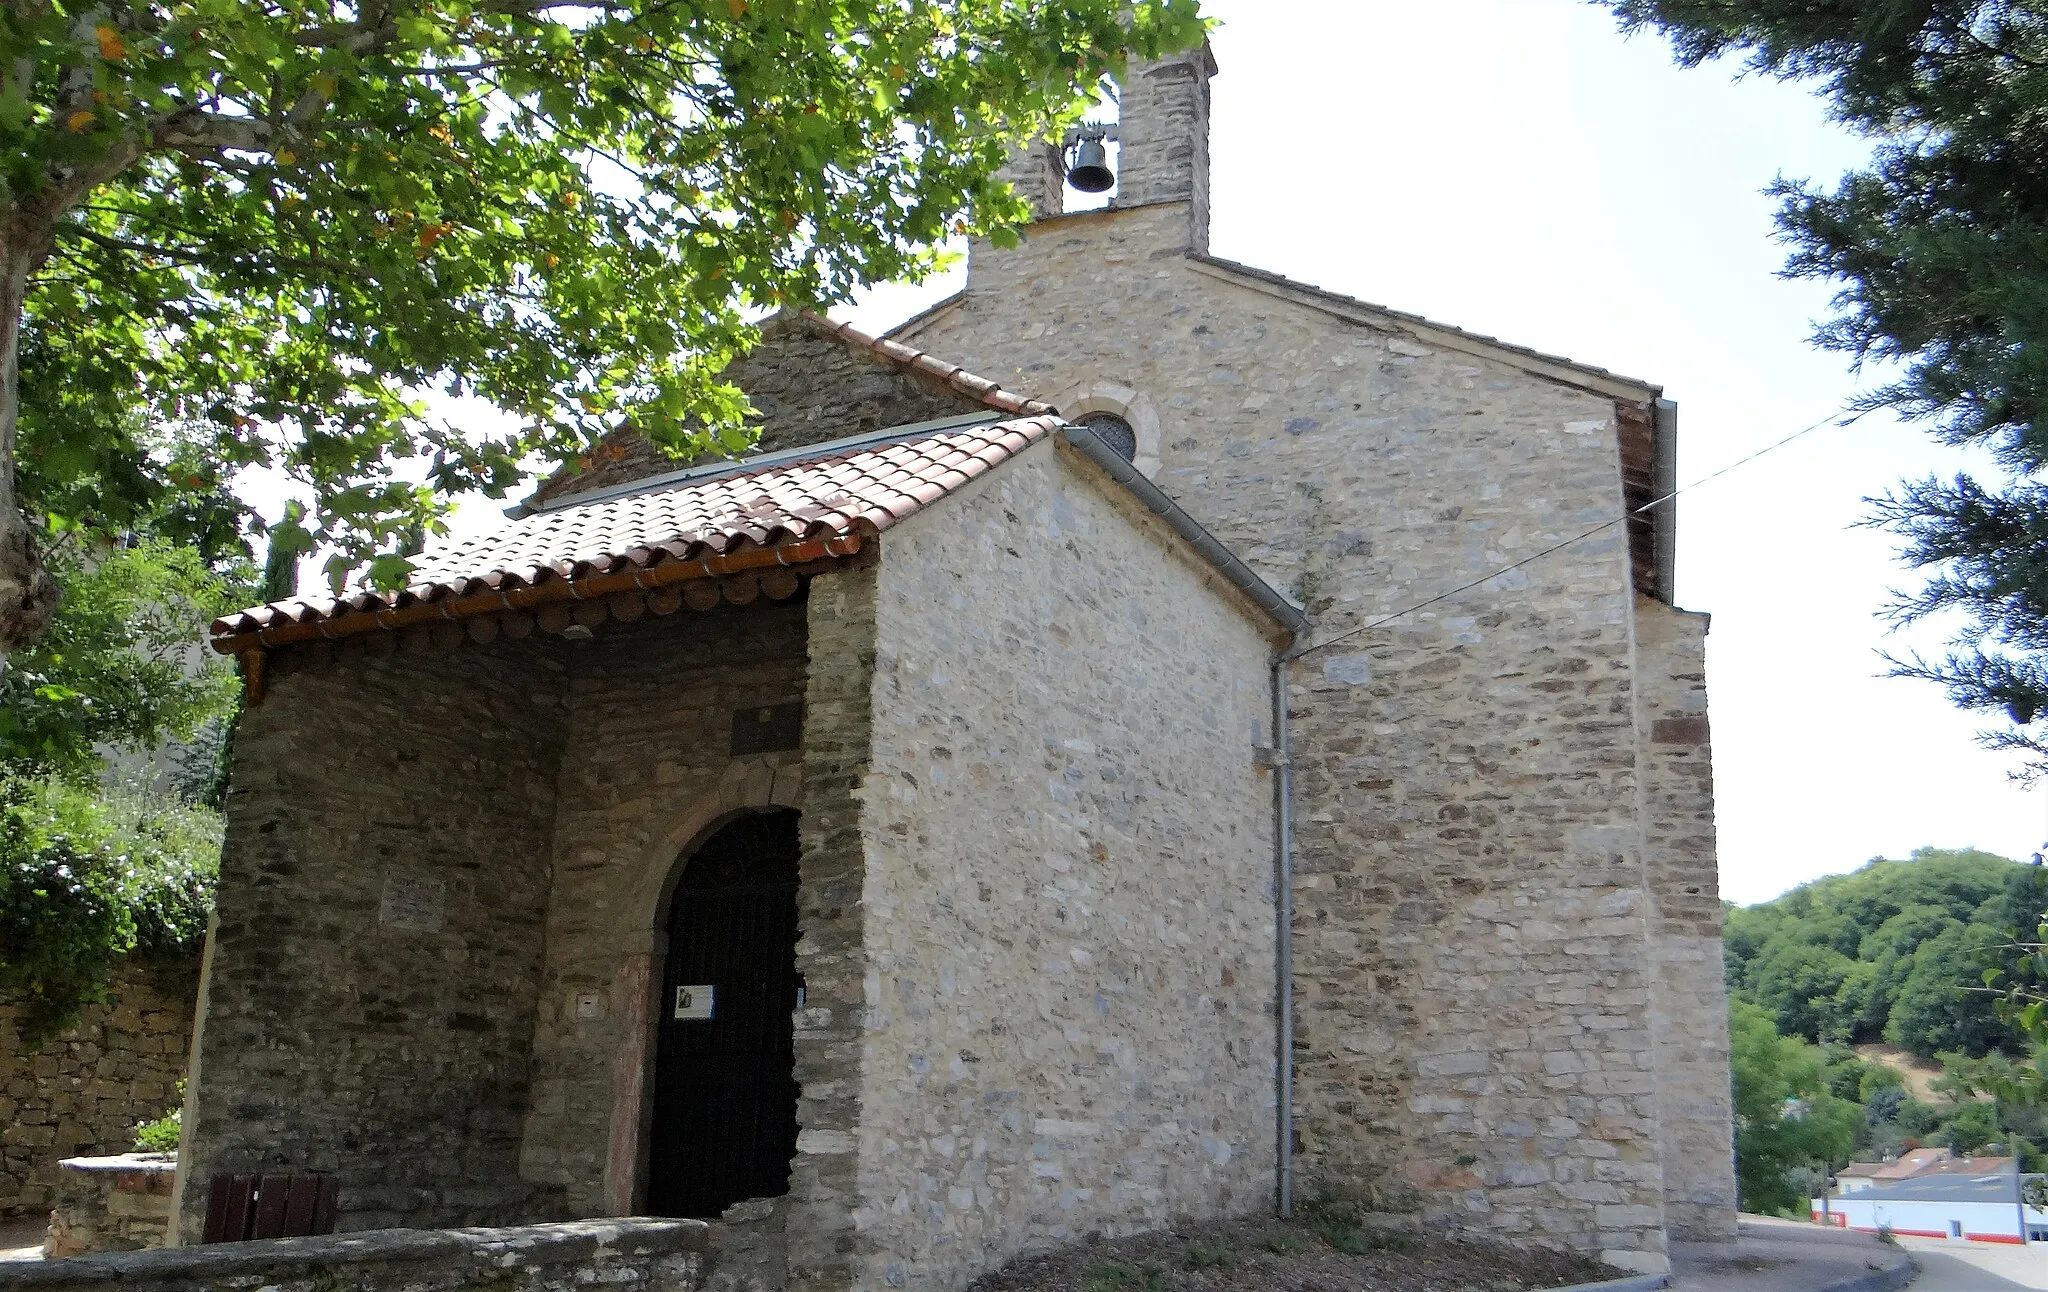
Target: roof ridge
[904, 356]
[742, 468]
[1280, 280]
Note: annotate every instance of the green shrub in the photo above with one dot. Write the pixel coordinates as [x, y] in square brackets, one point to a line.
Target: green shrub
[1785, 1115]
[1114, 1276]
[1357, 1240]
[1878, 1078]
[1207, 1253]
[1343, 1227]
[1917, 1119]
[161, 1135]
[114, 669]
[88, 876]
[1971, 1127]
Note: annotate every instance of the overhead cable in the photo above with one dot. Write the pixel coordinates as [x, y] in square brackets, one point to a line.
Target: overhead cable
[1580, 538]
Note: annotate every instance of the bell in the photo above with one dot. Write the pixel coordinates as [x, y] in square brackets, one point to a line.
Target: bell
[1091, 173]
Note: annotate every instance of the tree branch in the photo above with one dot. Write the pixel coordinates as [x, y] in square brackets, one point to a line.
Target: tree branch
[198, 129]
[196, 257]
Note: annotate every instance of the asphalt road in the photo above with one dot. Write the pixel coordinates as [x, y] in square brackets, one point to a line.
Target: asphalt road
[1976, 1267]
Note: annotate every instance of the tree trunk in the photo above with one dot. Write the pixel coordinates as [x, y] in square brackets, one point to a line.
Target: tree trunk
[28, 595]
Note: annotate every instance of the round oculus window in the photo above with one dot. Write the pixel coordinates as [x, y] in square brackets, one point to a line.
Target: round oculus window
[1115, 432]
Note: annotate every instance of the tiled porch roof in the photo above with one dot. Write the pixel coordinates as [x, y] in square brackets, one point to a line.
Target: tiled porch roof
[792, 507]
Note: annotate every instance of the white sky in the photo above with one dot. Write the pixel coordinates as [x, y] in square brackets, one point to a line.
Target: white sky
[1517, 168]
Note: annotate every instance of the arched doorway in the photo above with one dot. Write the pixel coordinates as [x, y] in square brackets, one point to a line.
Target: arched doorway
[724, 1125]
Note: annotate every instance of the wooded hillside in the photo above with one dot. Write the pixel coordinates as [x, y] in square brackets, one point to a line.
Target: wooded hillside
[1889, 951]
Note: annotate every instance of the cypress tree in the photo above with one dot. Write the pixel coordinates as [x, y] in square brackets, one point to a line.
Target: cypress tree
[1940, 250]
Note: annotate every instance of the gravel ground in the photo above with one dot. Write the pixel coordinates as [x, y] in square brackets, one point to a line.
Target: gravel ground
[1308, 1255]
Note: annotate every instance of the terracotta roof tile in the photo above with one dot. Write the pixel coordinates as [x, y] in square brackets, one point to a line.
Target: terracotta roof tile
[832, 494]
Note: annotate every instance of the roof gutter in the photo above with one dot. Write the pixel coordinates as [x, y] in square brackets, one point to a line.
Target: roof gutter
[1212, 550]
[528, 596]
[1664, 488]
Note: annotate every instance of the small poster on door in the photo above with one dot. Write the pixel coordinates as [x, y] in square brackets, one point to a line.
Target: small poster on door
[696, 1001]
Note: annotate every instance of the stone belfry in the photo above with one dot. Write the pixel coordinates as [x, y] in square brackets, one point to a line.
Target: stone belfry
[1508, 1000]
[1165, 138]
[1163, 126]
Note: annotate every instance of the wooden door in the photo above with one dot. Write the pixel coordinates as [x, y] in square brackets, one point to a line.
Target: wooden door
[724, 1082]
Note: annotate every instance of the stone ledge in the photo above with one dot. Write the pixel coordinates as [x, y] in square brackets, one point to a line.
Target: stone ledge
[148, 1163]
[285, 1261]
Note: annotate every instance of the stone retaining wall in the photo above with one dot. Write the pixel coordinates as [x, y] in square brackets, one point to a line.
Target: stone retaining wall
[84, 1091]
[111, 1204]
[586, 1256]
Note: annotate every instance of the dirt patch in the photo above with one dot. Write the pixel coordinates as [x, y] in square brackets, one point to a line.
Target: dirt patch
[1309, 1255]
[1918, 1072]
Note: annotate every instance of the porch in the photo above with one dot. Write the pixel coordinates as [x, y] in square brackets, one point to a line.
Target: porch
[437, 973]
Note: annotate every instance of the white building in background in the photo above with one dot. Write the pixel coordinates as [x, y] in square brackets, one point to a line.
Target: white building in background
[1859, 1176]
[1977, 1208]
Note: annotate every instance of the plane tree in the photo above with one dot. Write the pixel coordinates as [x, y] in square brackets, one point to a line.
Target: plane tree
[324, 237]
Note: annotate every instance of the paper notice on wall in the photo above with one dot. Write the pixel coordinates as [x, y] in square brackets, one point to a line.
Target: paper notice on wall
[413, 903]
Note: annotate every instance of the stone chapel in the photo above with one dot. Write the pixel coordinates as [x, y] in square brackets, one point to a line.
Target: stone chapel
[1122, 747]
[1508, 993]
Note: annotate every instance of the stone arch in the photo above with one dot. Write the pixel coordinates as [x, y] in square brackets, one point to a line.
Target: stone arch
[750, 787]
[1127, 402]
[761, 787]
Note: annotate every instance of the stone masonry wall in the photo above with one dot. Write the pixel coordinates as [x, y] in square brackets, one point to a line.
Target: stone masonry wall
[83, 1093]
[1690, 996]
[807, 388]
[376, 960]
[1473, 1024]
[810, 388]
[1069, 916]
[646, 772]
[819, 1247]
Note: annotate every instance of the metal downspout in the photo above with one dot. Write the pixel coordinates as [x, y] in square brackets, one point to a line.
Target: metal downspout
[1283, 941]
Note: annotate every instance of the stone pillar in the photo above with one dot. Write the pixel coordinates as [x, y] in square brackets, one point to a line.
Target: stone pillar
[632, 995]
[1688, 996]
[1036, 173]
[110, 1204]
[824, 1188]
[1163, 137]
